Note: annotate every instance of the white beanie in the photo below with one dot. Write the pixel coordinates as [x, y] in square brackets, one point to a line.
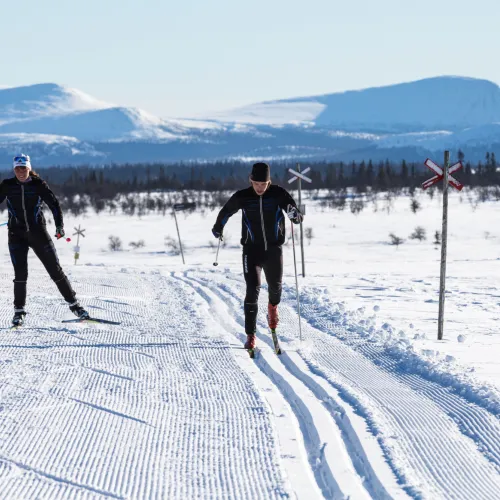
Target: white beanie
[22, 161]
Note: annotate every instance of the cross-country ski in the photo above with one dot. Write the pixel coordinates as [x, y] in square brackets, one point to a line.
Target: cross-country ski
[91, 319]
[277, 347]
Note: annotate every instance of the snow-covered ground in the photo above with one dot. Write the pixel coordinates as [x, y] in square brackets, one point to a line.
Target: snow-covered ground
[168, 405]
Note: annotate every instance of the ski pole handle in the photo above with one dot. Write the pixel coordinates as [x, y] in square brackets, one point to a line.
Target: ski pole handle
[58, 236]
[216, 263]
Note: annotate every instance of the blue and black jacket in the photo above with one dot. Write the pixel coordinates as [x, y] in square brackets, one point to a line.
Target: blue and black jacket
[24, 203]
[263, 220]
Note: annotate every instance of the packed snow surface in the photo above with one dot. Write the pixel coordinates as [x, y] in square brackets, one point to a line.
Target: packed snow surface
[365, 404]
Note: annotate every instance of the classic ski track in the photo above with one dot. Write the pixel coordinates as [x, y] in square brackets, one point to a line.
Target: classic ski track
[328, 457]
[474, 421]
[444, 456]
[138, 411]
[287, 426]
[363, 449]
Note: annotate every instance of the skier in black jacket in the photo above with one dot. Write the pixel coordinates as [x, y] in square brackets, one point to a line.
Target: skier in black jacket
[262, 235]
[25, 194]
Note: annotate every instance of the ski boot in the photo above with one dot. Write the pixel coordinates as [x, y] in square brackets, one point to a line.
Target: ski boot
[272, 316]
[272, 320]
[79, 311]
[250, 343]
[18, 319]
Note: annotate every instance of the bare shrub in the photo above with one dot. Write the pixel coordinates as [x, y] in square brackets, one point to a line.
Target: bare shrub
[437, 238]
[173, 245]
[309, 234]
[418, 234]
[357, 206]
[115, 244]
[396, 240]
[415, 205]
[137, 244]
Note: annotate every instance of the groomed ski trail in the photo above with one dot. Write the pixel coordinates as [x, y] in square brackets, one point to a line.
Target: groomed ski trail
[331, 435]
[438, 444]
[157, 407]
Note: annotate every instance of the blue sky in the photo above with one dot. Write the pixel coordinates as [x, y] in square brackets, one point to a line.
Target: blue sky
[191, 57]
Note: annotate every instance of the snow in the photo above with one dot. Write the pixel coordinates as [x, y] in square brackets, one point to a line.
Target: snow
[369, 404]
[431, 140]
[97, 125]
[22, 138]
[50, 109]
[423, 105]
[480, 136]
[431, 115]
[46, 99]
[273, 113]
[60, 143]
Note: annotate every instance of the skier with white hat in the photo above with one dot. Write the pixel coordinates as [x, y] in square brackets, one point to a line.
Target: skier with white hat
[25, 193]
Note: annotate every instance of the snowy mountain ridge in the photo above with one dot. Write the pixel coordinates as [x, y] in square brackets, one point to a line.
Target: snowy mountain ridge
[45, 99]
[430, 104]
[408, 120]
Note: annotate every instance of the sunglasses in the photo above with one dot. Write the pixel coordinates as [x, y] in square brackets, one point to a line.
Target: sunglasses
[21, 168]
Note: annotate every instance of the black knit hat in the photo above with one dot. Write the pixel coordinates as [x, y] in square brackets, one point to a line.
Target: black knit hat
[261, 172]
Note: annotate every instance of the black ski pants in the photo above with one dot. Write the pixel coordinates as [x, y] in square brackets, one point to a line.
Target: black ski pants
[256, 259]
[38, 239]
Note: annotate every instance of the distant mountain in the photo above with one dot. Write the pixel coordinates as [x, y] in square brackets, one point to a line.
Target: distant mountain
[450, 103]
[60, 125]
[45, 99]
[111, 124]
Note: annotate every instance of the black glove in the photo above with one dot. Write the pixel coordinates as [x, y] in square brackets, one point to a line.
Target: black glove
[60, 232]
[217, 234]
[294, 215]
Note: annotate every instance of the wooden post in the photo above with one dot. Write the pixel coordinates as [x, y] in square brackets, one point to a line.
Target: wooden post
[77, 250]
[444, 245]
[79, 232]
[179, 235]
[301, 228]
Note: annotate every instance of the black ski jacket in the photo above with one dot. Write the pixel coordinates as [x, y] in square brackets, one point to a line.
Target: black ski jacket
[263, 221]
[24, 203]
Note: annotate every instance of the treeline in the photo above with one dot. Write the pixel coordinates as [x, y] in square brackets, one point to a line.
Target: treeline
[109, 181]
[139, 189]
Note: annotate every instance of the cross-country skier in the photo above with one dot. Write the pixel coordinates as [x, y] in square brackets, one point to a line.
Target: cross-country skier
[262, 236]
[25, 194]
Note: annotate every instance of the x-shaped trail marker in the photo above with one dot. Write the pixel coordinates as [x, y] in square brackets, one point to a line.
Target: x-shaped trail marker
[440, 175]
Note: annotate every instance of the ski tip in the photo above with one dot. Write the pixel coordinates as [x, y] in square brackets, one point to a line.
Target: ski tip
[91, 320]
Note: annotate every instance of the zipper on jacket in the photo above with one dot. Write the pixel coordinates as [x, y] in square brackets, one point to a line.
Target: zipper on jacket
[263, 227]
[24, 208]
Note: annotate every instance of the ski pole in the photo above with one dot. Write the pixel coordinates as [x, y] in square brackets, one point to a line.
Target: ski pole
[296, 282]
[58, 236]
[216, 263]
